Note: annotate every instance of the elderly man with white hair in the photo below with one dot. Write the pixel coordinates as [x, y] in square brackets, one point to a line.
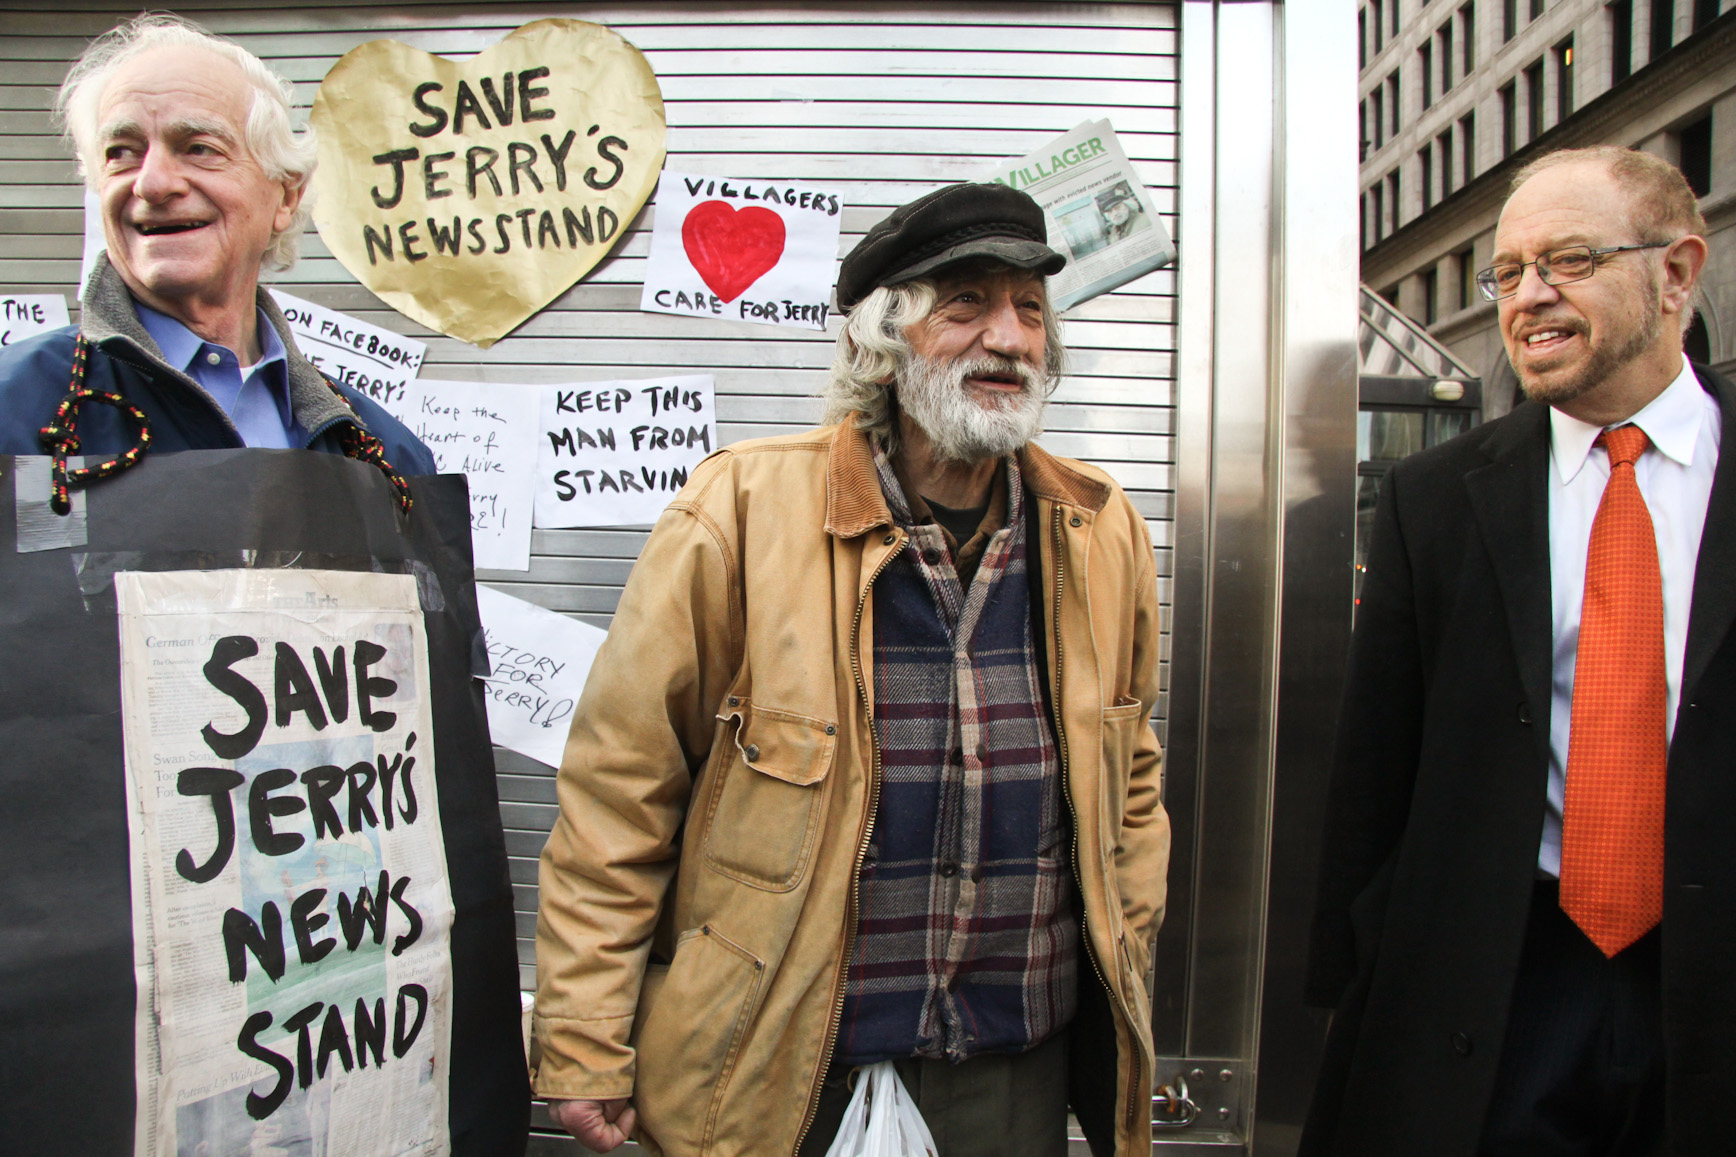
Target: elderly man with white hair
[186, 141]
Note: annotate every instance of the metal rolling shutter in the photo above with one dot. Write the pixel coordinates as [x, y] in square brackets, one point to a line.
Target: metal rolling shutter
[883, 100]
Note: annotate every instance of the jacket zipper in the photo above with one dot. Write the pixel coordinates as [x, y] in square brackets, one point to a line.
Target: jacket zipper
[1133, 1060]
[861, 851]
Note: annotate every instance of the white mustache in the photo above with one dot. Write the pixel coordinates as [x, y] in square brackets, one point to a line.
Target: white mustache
[992, 365]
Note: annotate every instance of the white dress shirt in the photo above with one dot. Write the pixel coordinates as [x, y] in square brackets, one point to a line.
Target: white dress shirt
[1675, 478]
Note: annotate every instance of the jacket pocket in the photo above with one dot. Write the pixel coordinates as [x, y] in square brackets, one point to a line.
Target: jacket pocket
[1121, 724]
[689, 1034]
[766, 811]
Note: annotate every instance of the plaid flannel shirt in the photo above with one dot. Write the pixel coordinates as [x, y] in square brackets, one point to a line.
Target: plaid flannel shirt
[968, 933]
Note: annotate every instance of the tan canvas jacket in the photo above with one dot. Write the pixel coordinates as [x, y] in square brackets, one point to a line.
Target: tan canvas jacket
[718, 790]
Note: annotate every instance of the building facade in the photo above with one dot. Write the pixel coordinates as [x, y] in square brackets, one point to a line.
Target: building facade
[1455, 98]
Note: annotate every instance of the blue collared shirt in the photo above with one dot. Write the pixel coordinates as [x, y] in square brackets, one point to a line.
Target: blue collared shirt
[257, 401]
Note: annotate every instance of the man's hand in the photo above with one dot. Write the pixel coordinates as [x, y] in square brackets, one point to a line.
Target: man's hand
[601, 1126]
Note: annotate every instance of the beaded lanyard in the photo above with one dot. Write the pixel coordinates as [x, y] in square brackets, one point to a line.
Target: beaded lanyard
[60, 440]
[357, 443]
[60, 437]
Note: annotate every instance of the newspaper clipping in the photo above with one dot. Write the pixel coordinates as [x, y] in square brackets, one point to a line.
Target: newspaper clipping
[1099, 213]
[291, 914]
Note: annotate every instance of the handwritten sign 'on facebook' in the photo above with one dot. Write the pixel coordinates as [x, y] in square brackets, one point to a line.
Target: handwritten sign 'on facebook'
[487, 432]
[25, 315]
[615, 453]
[539, 661]
[375, 361]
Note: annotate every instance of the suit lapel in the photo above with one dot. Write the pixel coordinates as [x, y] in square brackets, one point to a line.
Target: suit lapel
[1714, 604]
[1511, 499]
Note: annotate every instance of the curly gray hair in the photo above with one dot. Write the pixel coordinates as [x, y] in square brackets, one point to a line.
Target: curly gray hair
[872, 351]
[281, 152]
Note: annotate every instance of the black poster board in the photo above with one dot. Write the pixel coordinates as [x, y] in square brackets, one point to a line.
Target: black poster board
[67, 992]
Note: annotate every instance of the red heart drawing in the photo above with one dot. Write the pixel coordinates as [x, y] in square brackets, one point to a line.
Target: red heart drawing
[731, 250]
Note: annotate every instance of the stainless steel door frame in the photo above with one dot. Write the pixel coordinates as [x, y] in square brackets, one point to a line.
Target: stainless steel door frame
[1266, 399]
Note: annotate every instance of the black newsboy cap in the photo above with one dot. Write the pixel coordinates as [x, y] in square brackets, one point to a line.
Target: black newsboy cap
[948, 225]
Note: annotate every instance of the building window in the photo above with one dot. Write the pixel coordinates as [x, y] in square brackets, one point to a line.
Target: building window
[1621, 41]
[1390, 295]
[1392, 91]
[1663, 26]
[1468, 38]
[1509, 120]
[1444, 143]
[1379, 195]
[1426, 174]
[1362, 131]
[1705, 11]
[1361, 38]
[1466, 270]
[1536, 8]
[1362, 224]
[1468, 147]
[1509, 19]
[1379, 22]
[1446, 35]
[1378, 97]
[1395, 17]
[1534, 102]
[1426, 63]
[1431, 296]
[1392, 194]
[1694, 154]
[1564, 80]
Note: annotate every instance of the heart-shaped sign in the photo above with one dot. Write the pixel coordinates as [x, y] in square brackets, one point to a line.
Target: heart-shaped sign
[731, 249]
[470, 194]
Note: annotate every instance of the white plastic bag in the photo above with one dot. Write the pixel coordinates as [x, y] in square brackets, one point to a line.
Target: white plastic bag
[881, 1119]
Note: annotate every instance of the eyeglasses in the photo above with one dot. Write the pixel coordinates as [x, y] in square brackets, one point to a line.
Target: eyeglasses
[1574, 263]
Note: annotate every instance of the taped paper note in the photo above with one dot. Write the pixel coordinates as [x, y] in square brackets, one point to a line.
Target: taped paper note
[539, 661]
[615, 453]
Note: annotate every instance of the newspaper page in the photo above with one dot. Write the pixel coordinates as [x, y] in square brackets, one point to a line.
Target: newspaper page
[292, 919]
[1100, 215]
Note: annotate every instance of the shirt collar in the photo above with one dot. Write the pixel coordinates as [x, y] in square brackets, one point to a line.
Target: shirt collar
[910, 509]
[1672, 421]
[181, 346]
[270, 345]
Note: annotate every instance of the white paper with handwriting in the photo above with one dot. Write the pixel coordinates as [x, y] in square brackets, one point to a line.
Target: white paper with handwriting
[539, 661]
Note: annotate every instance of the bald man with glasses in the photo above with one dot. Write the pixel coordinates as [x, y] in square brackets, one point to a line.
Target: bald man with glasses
[1527, 907]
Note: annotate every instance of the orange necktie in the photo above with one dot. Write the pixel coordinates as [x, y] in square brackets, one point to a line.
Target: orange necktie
[1612, 838]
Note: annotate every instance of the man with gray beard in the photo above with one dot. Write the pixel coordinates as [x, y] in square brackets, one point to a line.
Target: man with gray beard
[1524, 915]
[864, 771]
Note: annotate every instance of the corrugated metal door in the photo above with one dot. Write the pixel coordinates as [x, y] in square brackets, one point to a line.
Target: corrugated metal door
[884, 101]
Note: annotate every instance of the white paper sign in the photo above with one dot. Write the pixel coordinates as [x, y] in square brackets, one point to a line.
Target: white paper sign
[365, 357]
[294, 969]
[615, 453]
[540, 661]
[488, 433]
[94, 239]
[746, 250]
[25, 315]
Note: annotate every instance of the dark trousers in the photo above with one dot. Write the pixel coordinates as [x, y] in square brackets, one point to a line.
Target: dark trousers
[996, 1105]
[1582, 1066]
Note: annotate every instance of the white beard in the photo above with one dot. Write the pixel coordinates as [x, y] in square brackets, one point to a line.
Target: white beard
[964, 425]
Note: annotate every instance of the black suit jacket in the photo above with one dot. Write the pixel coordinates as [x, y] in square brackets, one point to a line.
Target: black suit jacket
[1437, 800]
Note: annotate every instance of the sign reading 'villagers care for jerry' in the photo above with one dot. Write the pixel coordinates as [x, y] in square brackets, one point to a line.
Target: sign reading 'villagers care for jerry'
[470, 194]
